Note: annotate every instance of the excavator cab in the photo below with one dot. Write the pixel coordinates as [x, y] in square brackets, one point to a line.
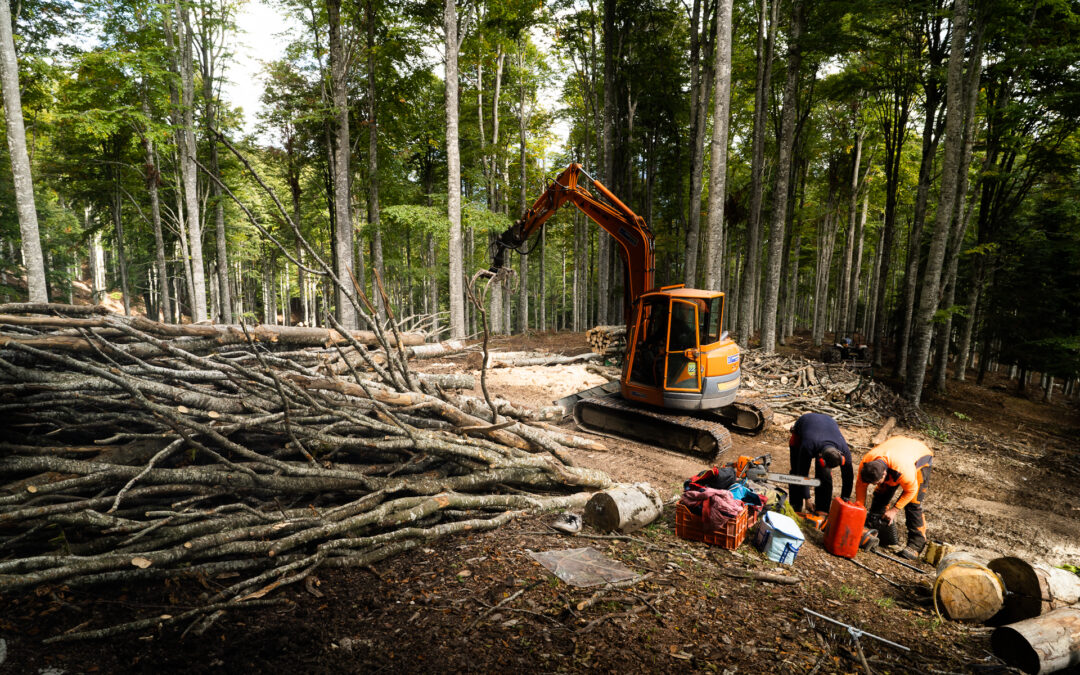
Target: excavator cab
[679, 356]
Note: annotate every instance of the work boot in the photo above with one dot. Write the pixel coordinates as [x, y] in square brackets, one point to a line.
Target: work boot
[908, 553]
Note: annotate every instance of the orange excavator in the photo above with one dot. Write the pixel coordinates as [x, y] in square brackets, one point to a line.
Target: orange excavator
[680, 379]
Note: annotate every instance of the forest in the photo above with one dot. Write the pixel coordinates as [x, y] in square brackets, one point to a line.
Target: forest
[903, 173]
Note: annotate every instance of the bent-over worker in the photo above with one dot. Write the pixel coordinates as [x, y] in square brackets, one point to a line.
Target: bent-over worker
[816, 440]
[899, 462]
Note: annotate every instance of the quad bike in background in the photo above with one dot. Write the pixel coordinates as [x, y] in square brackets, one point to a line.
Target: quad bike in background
[847, 348]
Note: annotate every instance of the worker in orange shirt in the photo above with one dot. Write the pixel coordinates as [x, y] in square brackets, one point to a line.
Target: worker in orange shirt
[904, 463]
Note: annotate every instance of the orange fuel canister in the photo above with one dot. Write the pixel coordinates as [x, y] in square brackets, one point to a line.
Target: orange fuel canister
[844, 528]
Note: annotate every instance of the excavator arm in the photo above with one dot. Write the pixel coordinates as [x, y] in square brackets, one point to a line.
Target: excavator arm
[634, 238]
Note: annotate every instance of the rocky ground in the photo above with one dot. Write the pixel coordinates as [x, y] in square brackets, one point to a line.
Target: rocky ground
[1005, 482]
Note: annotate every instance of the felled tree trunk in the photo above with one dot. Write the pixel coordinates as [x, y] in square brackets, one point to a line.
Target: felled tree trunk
[1045, 644]
[1034, 588]
[623, 509]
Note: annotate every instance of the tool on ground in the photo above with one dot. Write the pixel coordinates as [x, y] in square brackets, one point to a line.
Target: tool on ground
[898, 561]
[816, 519]
[854, 633]
[757, 468]
[680, 381]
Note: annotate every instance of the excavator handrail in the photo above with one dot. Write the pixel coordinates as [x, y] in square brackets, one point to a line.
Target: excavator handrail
[629, 230]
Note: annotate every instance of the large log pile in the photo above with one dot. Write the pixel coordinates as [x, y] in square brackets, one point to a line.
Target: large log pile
[133, 451]
[794, 386]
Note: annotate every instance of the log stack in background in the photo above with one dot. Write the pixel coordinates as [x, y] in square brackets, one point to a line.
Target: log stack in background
[608, 341]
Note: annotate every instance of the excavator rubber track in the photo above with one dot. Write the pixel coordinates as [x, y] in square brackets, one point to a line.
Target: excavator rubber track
[706, 438]
[746, 415]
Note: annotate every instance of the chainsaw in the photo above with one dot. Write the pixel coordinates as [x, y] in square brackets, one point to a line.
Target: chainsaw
[757, 468]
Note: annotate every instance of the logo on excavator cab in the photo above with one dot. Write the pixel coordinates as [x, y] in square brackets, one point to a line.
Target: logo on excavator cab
[691, 368]
[733, 358]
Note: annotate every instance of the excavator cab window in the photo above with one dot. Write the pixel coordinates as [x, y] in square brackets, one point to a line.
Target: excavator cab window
[711, 319]
[650, 343]
[683, 372]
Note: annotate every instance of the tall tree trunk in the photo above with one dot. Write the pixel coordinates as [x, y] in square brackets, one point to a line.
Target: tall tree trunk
[208, 47]
[373, 161]
[766, 41]
[188, 150]
[928, 301]
[581, 260]
[118, 224]
[603, 271]
[343, 225]
[962, 215]
[98, 288]
[496, 150]
[714, 255]
[153, 179]
[849, 239]
[784, 170]
[33, 259]
[699, 104]
[856, 268]
[453, 162]
[523, 204]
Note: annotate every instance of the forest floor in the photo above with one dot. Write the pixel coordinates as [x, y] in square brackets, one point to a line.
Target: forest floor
[438, 608]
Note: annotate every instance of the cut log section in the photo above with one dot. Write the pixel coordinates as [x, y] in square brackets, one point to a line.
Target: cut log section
[623, 509]
[966, 589]
[1045, 644]
[1034, 589]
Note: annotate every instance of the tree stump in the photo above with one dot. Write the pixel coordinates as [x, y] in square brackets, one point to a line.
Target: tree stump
[623, 509]
[966, 589]
[1044, 644]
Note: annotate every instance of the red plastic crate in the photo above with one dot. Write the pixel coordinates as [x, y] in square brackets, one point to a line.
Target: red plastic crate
[692, 527]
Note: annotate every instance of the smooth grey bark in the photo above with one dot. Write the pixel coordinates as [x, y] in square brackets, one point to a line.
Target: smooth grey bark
[523, 204]
[962, 215]
[373, 162]
[700, 85]
[856, 267]
[33, 259]
[343, 225]
[778, 220]
[581, 259]
[603, 271]
[118, 224]
[209, 36]
[97, 265]
[187, 151]
[493, 183]
[766, 41]
[714, 254]
[153, 179]
[929, 299]
[849, 239]
[453, 163]
[931, 137]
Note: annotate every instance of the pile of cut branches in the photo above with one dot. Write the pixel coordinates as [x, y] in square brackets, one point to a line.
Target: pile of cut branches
[795, 386]
[136, 451]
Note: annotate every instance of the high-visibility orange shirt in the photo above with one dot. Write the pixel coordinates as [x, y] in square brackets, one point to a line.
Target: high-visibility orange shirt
[900, 455]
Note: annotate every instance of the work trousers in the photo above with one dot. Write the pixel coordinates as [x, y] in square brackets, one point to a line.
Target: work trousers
[914, 518]
[800, 466]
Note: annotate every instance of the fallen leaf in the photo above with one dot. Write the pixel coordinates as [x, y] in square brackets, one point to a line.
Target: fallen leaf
[465, 573]
[141, 563]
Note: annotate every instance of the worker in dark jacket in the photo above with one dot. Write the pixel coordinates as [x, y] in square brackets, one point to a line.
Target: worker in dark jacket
[816, 441]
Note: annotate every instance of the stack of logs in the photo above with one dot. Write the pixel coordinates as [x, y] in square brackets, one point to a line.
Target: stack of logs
[794, 386]
[133, 451]
[608, 341]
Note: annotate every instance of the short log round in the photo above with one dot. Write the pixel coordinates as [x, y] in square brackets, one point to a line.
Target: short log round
[1044, 644]
[966, 589]
[623, 509]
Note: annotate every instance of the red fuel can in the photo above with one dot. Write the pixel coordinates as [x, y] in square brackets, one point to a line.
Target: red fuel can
[844, 528]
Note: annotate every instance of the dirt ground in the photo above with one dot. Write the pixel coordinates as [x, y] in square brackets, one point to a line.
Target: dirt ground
[1004, 481]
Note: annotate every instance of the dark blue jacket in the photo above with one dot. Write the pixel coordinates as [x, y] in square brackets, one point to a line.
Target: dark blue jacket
[812, 433]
